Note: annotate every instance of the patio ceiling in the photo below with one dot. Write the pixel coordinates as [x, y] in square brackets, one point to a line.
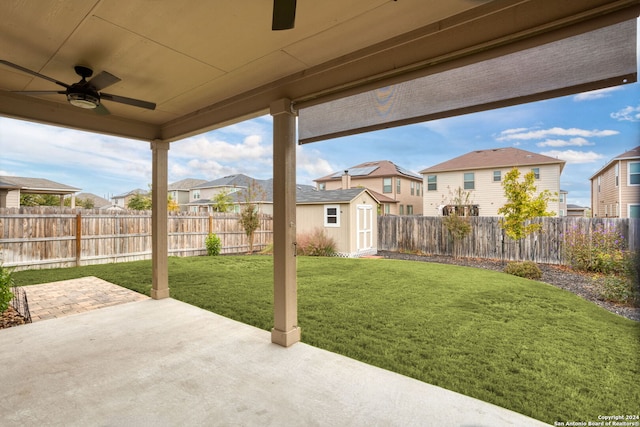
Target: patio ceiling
[209, 64]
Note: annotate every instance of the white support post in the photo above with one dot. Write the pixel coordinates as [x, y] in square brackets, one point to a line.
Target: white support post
[159, 221]
[286, 331]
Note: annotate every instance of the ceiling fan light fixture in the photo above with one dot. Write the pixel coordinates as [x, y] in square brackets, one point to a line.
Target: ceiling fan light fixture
[83, 100]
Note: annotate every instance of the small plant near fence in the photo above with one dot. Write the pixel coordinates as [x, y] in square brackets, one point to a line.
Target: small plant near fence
[213, 244]
[604, 251]
[317, 243]
[6, 283]
[526, 269]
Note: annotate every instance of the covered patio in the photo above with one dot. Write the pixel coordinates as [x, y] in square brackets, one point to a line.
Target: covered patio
[207, 65]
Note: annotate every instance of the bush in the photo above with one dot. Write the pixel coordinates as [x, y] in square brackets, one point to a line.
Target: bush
[315, 244]
[526, 269]
[601, 251]
[214, 244]
[6, 283]
[618, 289]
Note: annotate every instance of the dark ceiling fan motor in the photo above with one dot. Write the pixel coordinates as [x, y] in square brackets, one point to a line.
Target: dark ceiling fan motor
[82, 94]
[284, 14]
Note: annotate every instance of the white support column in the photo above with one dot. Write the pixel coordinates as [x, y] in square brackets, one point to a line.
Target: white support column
[159, 212]
[285, 293]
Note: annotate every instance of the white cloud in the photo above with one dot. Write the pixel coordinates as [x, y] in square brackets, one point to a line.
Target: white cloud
[206, 146]
[311, 164]
[572, 156]
[576, 142]
[629, 114]
[596, 94]
[525, 134]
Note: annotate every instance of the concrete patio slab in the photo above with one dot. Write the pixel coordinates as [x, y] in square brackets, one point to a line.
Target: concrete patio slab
[167, 363]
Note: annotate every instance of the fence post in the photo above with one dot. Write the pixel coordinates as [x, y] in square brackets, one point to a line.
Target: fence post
[210, 223]
[78, 238]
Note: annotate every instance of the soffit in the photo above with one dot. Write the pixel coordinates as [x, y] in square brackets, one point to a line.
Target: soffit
[207, 64]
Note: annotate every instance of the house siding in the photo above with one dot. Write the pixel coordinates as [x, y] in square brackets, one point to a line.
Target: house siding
[488, 194]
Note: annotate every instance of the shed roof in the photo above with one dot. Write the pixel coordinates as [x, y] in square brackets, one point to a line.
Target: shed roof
[309, 197]
[494, 158]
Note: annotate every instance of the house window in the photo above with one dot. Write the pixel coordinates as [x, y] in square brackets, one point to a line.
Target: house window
[561, 198]
[599, 182]
[196, 195]
[397, 185]
[497, 176]
[409, 209]
[561, 212]
[634, 211]
[634, 173]
[418, 189]
[469, 181]
[332, 216]
[432, 183]
[401, 210]
[322, 186]
[536, 172]
[413, 188]
[617, 167]
[386, 185]
[387, 208]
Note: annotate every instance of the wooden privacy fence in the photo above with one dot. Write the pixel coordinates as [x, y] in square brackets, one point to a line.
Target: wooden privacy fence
[54, 237]
[487, 239]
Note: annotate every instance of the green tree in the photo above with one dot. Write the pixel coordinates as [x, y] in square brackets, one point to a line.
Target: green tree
[39, 200]
[222, 201]
[249, 214]
[140, 202]
[522, 204]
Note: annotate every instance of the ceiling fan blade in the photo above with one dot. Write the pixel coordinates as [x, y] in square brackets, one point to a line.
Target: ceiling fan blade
[284, 14]
[103, 80]
[102, 110]
[39, 92]
[33, 73]
[128, 101]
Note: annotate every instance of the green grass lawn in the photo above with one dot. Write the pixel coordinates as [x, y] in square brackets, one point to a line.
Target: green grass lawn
[520, 344]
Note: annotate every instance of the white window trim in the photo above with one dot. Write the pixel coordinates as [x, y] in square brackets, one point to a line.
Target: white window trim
[629, 206]
[629, 174]
[326, 216]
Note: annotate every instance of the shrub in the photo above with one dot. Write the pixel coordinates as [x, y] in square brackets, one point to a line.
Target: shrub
[214, 244]
[6, 283]
[601, 251]
[315, 244]
[618, 289]
[526, 269]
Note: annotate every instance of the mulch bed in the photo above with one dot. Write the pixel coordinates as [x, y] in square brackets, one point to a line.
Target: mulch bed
[10, 318]
[559, 276]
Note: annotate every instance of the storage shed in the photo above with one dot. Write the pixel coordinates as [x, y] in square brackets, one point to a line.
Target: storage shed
[348, 216]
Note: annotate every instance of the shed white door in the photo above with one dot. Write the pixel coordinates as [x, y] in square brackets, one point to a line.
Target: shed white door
[364, 225]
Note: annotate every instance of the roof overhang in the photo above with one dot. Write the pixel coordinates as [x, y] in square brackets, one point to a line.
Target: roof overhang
[216, 63]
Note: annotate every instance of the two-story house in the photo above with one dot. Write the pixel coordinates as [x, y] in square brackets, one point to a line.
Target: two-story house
[615, 188]
[481, 173]
[179, 191]
[202, 197]
[398, 190]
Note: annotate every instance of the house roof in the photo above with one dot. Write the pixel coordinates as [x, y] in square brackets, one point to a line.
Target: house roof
[313, 196]
[494, 158]
[572, 206]
[237, 180]
[98, 201]
[131, 193]
[379, 168]
[185, 184]
[632, 154]
[36, 185]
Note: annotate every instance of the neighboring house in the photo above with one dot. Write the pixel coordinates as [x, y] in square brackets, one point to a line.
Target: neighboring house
[122, 200]
[481, 173]
[401, 188]
[615, 188]
[562, 203]
[202, 197]
[348, 216]
[577, 211]
[11, 187]
[179, 191]
[98, 202]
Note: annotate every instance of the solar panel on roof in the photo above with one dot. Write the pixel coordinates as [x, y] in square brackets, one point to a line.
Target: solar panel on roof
[407, 172]
[356, 171]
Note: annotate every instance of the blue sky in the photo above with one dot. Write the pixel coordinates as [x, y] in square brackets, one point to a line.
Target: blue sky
[585, 130]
